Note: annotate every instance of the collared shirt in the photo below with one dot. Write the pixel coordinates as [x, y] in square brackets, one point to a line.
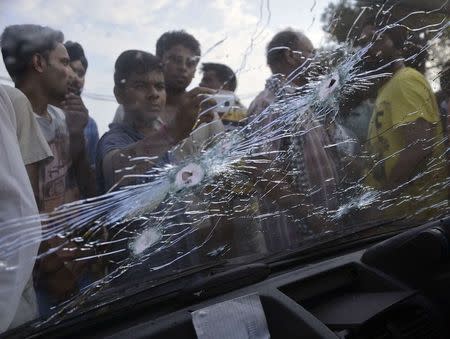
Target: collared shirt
[314, 165]
[309, 165]
[273, 86]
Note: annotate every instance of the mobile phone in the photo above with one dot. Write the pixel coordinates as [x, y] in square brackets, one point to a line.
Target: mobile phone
[225, 101]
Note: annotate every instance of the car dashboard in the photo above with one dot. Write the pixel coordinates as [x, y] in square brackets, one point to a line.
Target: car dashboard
[396, 288]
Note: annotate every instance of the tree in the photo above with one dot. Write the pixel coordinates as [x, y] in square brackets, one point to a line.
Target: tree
[428, 38]
[338, 19]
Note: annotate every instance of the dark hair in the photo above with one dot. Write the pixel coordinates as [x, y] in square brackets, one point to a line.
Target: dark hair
[173, 38]
[409, 44]
[283, 40]
[397, 33]
[134, 61]
[398, 36]
[224, 73]
[76, 52]
[20, 42]
[415, 53]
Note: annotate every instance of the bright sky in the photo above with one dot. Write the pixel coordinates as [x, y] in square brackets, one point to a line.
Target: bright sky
[105, 28]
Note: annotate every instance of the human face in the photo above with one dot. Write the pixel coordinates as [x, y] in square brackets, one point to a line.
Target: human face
[299, 59]
[55, 78]
[210, 80]
[180, 64]
[303, 53]
[143, 96]
[78, 75]
[382, 49]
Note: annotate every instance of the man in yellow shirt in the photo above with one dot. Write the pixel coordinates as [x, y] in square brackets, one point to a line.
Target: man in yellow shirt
[405, 138]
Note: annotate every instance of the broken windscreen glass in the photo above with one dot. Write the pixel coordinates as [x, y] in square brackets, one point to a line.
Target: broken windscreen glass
[339, 124]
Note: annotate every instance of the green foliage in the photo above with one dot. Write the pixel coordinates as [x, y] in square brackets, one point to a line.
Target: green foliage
[344, 20]
[338, 19]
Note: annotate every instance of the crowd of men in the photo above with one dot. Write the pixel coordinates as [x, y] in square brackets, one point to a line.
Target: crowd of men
[52, 154]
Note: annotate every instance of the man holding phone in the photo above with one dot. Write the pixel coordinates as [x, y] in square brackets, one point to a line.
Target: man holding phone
[222, 78]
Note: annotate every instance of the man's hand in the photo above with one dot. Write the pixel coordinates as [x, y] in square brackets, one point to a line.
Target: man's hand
[193, 102]
[76, 113]
[77, 118]
[52, 274]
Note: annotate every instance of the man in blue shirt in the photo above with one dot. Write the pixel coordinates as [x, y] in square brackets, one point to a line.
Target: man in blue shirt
[144, 133]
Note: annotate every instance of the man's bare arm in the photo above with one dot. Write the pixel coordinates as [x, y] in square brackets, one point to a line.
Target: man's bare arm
[118, 163]
[77, 117]
[419, 138]
[121, 162]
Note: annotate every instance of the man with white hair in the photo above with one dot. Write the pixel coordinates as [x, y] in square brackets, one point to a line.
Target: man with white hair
[311, 167]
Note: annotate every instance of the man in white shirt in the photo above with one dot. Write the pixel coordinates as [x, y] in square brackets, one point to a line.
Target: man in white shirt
[21, 144]
[38, 63]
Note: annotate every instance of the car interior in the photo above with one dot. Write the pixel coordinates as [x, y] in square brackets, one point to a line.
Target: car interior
[393, 288]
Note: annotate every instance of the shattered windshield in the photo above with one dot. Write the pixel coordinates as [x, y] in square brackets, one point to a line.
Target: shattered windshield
[141, 140]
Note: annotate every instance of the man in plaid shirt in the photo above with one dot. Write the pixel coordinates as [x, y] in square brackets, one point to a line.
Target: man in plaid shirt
[302, 178]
